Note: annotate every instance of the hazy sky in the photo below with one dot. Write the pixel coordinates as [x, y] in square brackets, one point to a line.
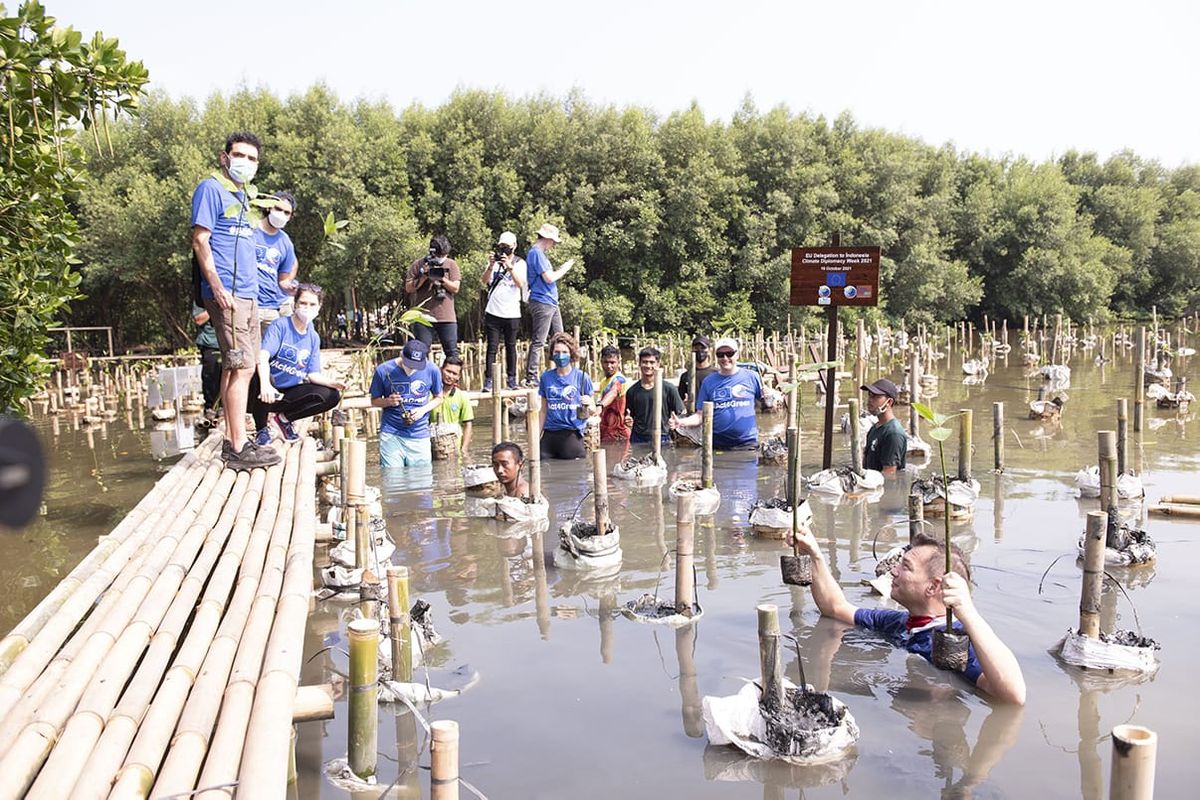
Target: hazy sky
[1020, 77]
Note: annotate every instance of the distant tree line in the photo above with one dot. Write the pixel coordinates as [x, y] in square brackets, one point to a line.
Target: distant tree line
[678, 222]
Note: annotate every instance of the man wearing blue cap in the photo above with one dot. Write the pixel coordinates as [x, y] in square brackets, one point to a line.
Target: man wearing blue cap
[407, 389]
[887, 444]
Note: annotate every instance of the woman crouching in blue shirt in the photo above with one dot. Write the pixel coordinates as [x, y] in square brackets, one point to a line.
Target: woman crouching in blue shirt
[567, 402]
[288, 382]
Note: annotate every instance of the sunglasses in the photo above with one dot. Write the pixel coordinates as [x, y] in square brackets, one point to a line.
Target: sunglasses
[724, 354]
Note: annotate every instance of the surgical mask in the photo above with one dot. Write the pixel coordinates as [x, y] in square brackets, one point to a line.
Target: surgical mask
[242, 169]
[561, 359]
[701, 355]
[277, 219]
[306, 314]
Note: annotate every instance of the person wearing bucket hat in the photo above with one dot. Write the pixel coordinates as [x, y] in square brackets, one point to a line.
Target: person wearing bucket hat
[886, 449]
[407, 389]
[924, 590]
[735, 393]
[544, 313]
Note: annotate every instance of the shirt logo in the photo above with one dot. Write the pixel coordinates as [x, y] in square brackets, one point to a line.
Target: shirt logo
[565, 392]
[289, 353]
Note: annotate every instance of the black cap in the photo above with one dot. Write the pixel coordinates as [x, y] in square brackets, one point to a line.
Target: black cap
[414, 354]
[882, 386]
[703, 341]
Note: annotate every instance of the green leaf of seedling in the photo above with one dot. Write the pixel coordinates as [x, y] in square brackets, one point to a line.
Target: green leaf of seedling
[925, 411]
[817, 367]
[341, 223]
[939, 434]
[330, 225]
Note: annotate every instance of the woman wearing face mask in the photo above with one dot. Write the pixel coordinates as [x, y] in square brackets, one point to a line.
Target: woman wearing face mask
[567, 402]
[289, 383]
[276, 258]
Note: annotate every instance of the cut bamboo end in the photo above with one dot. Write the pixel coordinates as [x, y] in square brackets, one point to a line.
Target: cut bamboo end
[443, 752]
[1134, 752]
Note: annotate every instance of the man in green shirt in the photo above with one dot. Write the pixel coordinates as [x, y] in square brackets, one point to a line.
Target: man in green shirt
[455, 407]
[887, 444]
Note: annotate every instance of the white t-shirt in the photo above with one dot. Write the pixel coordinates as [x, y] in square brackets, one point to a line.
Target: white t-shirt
[505, 300]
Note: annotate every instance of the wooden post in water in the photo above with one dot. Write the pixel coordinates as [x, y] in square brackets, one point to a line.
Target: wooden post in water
[1093, 574]
[1139, 379]
[693, 384]
[998, 436]
[791, 489]
[656, 420]
[364, 697]
[1107, 441]
[916, 515]
[706, 452]
[914, 390]
[443, 758]
[400, 622]
[769, 656]
[855, 452]
[1122, 436]
[1134, 751]
[497, 406]
[685, 554]
[600, 490]
[965, 419]
[532, 432]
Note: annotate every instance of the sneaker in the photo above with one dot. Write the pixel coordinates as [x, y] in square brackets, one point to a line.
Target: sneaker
[286, 428]
[531, 383]
[262, 437]
[487, 385]
[251, 457]
[512, 383]
[210, 416]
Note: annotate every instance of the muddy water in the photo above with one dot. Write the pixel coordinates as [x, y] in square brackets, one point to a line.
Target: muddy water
[577, 701]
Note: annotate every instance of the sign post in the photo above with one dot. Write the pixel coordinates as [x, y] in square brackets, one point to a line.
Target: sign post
[832, 277]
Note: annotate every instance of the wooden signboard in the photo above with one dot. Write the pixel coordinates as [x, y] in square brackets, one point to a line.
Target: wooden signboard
[835, 276]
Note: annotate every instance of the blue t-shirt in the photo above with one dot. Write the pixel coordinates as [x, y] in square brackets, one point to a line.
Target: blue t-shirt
[539, 290]
[292, 354]
[734, 400]
[229, 234]
[275, 256]
[563, 394]
[893, 625]
[415, 390]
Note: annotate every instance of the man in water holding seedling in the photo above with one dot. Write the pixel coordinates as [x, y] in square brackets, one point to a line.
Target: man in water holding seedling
[920, 585]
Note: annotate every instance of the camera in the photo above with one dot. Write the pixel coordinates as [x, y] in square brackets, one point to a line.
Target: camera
[436, 273]
[501, 252]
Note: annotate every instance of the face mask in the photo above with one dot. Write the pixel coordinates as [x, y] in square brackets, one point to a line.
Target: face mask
[306, 314]
[561, 359]
[701, 355]
[241, 169]
[277, 219]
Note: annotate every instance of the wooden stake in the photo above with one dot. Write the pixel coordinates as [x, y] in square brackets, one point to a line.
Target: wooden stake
[401, 623]
[364, 696]
[497, 406]
[685, 552]
[1139, 380]
[855, 424]
[600, 490]
[443, 755]
[916, 515]
[706, 453]
[1107, 443]
[532, 431]
[998, 436]
[1122, 436]
[1093, 574]
[965, 419]
[1134, 752]
[656, 420]
[769, 656]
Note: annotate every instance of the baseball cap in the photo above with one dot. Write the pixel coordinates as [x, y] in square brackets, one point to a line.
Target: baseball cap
[414, 354]
[726, 342]
[703, 341]
[882, 386]
[509, 238]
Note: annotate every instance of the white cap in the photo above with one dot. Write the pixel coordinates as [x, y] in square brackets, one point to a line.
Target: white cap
[724, 342]
[509, 238]
[548, 231]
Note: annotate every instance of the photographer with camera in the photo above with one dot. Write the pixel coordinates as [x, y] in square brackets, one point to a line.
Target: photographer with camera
[431, 283]
[505, 279]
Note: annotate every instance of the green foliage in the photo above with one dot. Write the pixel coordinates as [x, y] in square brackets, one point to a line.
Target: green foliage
[51, 83]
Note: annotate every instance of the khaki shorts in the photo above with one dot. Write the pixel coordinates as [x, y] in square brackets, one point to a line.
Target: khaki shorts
[246, 336]
[265, 317]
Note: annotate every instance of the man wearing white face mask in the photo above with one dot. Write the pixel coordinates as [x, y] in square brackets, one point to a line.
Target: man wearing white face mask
[223, 242]
[276, 257]
[289, 383]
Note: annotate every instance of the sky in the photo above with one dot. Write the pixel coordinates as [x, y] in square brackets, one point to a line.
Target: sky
[1015, 78]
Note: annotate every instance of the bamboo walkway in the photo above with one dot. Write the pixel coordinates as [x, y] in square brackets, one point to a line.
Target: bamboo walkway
[167, 661]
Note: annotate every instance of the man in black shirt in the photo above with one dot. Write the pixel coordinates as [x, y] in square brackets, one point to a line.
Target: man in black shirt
[702, 350]
[639, 400]
[887, 444]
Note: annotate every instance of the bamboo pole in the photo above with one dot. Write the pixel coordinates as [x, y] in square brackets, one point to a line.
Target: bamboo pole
[916, 515]
[1183, 499]
[855, 423]
[313, 703]
[1135, 750]
[532, 431]
[600, 490]
[1139, 380]
[354, 464]
[998, 436]
[1107, 445]
[769, 656]
[1093, 574]
[1122, 436]
[685, 553]
[791, 486]
[656, 420]
[706, 453]
[400, 622]
[364, 697]
[497, 406]
[443, 757]
[1174, 510]
[965, 419]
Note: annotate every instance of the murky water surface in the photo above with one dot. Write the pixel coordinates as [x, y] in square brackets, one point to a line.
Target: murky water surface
[576, 701]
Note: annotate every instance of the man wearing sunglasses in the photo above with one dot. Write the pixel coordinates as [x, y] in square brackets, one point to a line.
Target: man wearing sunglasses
[735, 393]
[276, 258]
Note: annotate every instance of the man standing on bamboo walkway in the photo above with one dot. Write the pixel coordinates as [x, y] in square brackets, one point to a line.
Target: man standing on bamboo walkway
[223, 241]
[887, 444]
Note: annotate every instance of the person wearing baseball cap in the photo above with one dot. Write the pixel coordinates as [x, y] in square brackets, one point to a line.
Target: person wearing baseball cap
[702, 355]
[506, 282]
[545, 316]
[887, 444]
[735, 393]
[407, 389]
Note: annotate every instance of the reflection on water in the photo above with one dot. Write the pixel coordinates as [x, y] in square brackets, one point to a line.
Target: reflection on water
[576, 701]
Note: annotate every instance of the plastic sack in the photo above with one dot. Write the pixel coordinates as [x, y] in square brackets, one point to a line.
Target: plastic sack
[644, 470]
[704, 501]
[1120, 650]
[737, 720]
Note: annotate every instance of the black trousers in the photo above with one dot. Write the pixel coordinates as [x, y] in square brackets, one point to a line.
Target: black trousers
[506, 327]
[298, 402]
[210, 375]
[563, 444]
